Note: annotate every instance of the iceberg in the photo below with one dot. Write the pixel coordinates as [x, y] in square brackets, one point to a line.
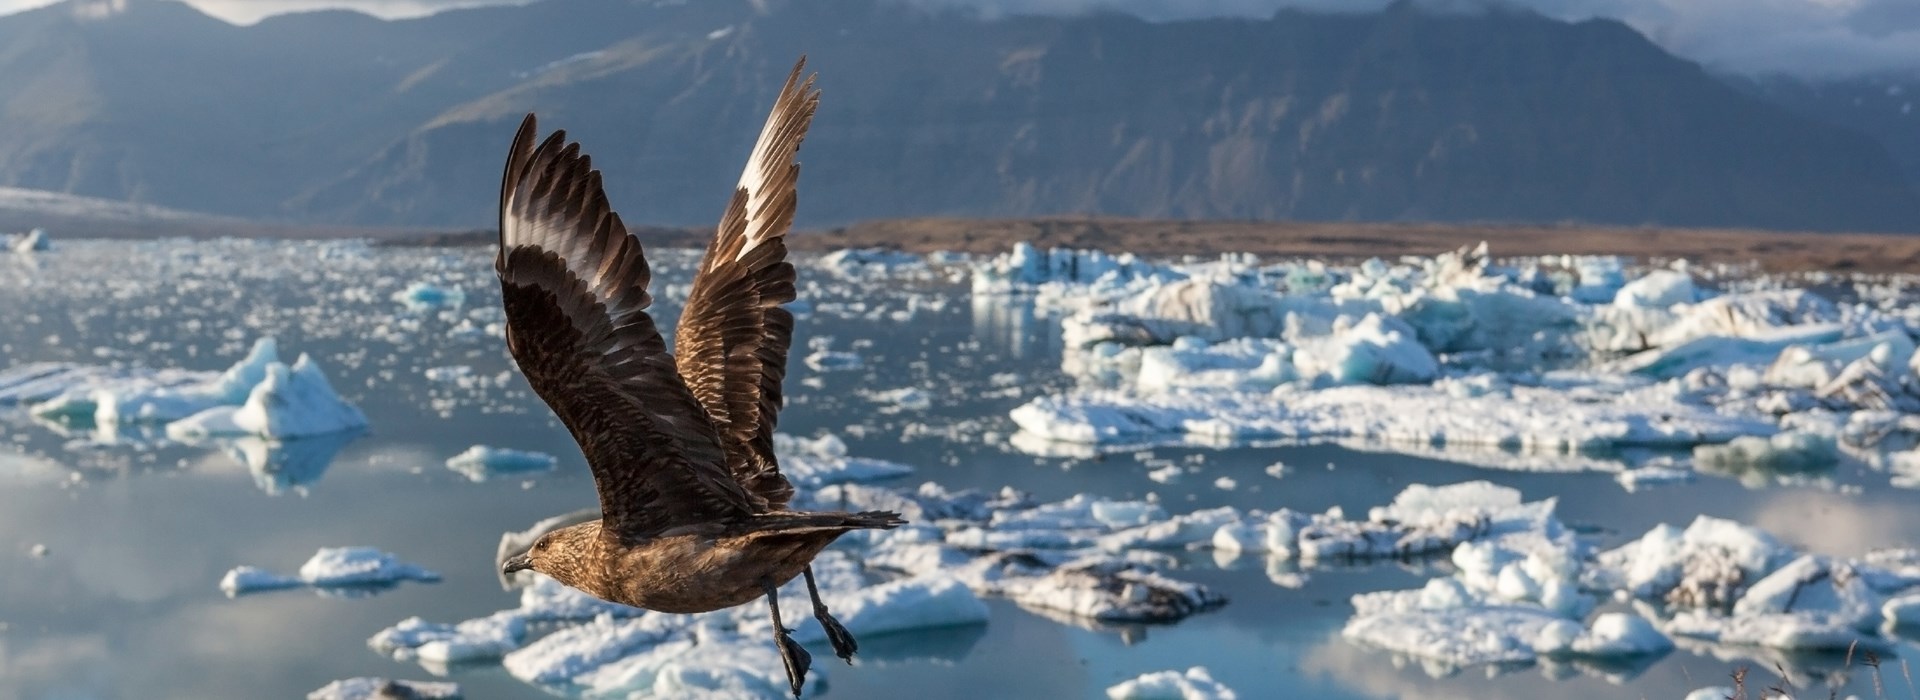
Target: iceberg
[336, 567]
[480, 462]
[1194, 684]
[35, 241]
[289, 403]
[382, 688]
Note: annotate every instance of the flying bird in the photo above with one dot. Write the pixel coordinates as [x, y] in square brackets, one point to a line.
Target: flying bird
[693, 507]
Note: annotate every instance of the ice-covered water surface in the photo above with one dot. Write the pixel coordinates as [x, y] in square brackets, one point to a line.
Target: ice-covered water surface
[116, 532]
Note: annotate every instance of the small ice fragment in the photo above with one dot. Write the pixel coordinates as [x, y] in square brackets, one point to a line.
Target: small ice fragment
[1717, 692]
[907, 399]
[830, 361]
[1277, 470]
[248, 579]
[481, 462]
[381, 688]
[334, 567]
[1225, 483]
[37, 551]
[489, 637]
[423, 295]
[34, 241]
[352, 566]
[1166, 475]
[1195, 684]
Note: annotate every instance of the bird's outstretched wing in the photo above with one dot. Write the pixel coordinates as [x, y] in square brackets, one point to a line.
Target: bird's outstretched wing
[733, 337]
[574, 284]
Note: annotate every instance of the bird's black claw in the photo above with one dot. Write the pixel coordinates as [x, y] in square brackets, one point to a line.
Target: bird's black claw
[796, 659]
[843, 643]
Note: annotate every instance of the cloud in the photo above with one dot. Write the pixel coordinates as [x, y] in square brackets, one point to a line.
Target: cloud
[1816, 38]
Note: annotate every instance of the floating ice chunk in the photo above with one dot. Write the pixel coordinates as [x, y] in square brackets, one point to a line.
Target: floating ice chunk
[1613, 634]
[1669, 361]
[1634, 480]
[935, 600]
[237, 382]
[1107, 589]
[482, 638]
[1658, 289]
[906, 399]
[481, 462]
[356, 566]
[1817, 588]
[824, 360]
[248, 579]
[1369, 352]
[1783, 452]
[35, 241]
[1716, 692]
[1533, 419]
[1706, 565]
[383, 689]
[1791, 631]
[1748, 315]
[296, 402]
[867, 263]
[1902, 610]
[816, 462]
[334, 567]
[425, 295]
[562, 656]
[712, 664]
[1814, 366]
[1195, 684]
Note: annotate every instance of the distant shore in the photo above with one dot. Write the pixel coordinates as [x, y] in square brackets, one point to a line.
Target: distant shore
[1772, 250]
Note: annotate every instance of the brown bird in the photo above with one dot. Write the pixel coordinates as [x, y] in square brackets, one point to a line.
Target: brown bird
[693, 506]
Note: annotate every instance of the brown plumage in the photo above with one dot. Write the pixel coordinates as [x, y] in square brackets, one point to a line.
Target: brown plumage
[692, 502]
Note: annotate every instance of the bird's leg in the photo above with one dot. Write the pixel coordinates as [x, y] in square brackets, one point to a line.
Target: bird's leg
[796, 658]
[843, 644]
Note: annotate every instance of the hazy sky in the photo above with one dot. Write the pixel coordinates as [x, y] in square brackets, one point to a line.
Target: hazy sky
[1810, 37]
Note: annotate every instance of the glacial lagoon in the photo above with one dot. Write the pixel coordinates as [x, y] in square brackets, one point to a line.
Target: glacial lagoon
[115, 537]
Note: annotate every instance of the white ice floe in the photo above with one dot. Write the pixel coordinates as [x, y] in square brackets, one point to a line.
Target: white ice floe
[869, 263]
[481, 462]
[334, 567]
[35, 241]
[823, 460]
[1783, 452]
[903, 399]
[1531, 419]
[384, 689]
[290, 402]
[1194, 684]
[478, 639]
[427, 295]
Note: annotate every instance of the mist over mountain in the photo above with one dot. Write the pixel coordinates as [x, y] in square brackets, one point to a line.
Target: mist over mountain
[335, 117]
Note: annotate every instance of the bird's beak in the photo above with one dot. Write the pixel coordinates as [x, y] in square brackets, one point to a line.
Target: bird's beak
[517, 563]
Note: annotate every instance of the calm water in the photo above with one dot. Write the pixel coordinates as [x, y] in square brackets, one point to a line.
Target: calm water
[139, 530]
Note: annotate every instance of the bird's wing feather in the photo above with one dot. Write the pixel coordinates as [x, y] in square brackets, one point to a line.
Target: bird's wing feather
[574, 284]
[733, 337]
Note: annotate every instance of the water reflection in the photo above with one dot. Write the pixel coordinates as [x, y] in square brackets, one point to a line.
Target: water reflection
[1013, 324]
[279, 466]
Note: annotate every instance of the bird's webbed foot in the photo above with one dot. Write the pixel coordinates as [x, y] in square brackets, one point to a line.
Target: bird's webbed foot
[843, 643]
[795, 657]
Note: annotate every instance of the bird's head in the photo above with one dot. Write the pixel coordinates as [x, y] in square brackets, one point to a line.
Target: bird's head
[562, 554]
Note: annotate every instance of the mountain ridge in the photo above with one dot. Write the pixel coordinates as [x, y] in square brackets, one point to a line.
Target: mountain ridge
[1403, 115]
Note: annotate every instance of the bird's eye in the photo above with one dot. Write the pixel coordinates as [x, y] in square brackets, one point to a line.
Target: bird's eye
[541, 544]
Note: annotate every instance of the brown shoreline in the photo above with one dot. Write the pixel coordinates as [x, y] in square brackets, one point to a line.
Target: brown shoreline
[1774, 251]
